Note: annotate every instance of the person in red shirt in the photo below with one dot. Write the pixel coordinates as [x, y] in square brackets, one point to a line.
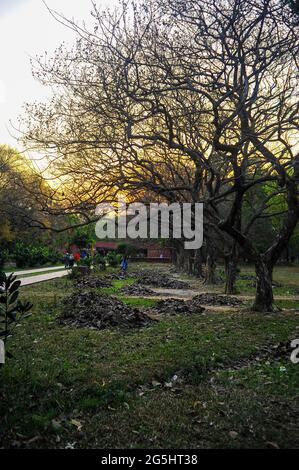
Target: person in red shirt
[77, 257]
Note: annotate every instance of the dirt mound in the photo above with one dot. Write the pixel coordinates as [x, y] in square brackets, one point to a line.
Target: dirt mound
[136, 289]
[158, 279]
[217, 300]
[176, 307]
[91, 282]
[100, 311]
[277, 352]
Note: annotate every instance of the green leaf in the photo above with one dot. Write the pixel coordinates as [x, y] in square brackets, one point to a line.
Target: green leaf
[14, 286]
[14, 297]
[12, 315]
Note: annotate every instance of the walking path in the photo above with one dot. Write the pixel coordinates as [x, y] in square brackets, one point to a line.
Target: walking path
[37, 270]
[26, 281]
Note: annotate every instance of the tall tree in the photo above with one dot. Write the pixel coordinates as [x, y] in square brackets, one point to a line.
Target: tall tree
[192, 101]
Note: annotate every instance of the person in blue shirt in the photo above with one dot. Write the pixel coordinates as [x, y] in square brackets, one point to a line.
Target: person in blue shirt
[124, 264]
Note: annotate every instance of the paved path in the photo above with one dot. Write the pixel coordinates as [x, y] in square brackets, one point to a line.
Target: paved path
[26, 281]
[37, 270]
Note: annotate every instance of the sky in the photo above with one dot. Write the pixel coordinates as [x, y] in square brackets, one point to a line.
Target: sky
[26, 30]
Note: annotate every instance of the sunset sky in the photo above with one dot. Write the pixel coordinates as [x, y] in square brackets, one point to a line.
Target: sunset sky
[27, 29]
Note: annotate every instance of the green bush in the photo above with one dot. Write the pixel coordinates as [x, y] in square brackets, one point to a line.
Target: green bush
[12, 310]
[126, 249]
[87, 261]
[111, 259]
[99, 262]
[30, 256]
[4, 255]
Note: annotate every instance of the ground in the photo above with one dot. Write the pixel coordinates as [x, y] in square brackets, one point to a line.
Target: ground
[220, 379]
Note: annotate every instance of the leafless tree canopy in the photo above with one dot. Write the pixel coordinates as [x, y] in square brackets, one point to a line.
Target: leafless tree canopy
[182, 100]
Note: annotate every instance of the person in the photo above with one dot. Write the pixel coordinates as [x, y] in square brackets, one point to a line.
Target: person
[124, 264]
[66, 260]
[77, 256]
[71, 260]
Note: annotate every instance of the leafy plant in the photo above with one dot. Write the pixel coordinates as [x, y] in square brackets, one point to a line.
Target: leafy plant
[87, 261]
[126, 249]
[29, 256]
[74, 273]
[4, 255]
[12, 310]
[111, 259]
[99, 262]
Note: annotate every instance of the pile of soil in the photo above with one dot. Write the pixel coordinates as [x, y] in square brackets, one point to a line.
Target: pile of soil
[158, 279]
[100, 311]
[277, 352]
[280, 352]
[176, 307]
[217, 300]
[136, 289]
[91, 282]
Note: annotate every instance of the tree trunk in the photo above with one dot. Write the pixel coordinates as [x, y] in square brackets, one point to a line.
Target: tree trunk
[179, 258]
[210, 277]
[188, 261]
[264, 292]
[231, 268]
[197, 267]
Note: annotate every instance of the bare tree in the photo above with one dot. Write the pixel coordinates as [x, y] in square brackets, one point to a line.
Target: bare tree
[188, 100]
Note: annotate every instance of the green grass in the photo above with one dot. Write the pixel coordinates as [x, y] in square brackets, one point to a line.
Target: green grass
[288, 276]
[116, 285]
[137, 301]
[108, 381]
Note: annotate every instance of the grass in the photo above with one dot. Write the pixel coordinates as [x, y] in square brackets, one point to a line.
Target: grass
[116, 285]
[107, 389]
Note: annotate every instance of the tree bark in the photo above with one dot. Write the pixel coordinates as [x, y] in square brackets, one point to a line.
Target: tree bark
[197, 267]
[210, 277]
[264, 293]
[231, 267]
[188, 261]
[180, 258]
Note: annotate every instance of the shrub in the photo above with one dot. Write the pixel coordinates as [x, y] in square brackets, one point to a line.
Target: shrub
[99, 262]
[30, 256]
[4, 255]
[87, 261]
[74, 273]
[111, 259]
[12, 310]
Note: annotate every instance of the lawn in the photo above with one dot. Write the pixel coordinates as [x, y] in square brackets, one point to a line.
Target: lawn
[201, 381]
